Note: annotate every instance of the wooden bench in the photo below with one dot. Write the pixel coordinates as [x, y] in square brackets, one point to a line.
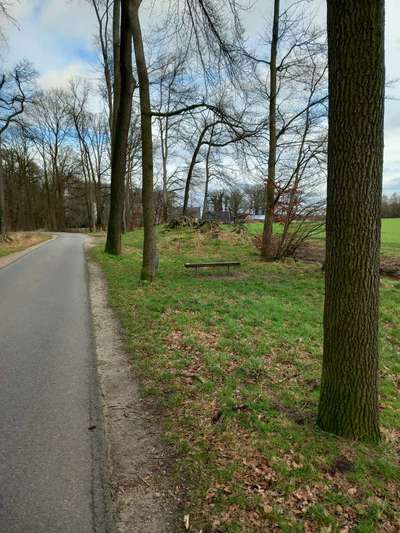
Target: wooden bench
[227, 264]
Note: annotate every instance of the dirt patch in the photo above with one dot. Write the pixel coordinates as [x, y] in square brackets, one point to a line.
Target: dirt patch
[390, 267]
[312, 253]
[142, 498]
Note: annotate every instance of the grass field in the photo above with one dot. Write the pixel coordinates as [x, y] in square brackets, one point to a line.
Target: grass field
[390, 235]
[232, 363]
[21, 241]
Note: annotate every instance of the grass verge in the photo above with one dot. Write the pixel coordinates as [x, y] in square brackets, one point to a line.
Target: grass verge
[233, 364]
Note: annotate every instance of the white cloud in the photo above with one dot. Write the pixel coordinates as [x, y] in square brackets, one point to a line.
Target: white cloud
[61, 77]
[73, 19]
[392, 160]
[22, 9]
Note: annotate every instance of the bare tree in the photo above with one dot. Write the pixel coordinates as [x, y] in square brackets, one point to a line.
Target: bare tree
[15, 92]
[272, 148]
[102, 9]
[92, 138]
[171, 93]
[120, 137]
[22, 182]
[5, 16]
[149, 243]
[49, 129]
[296, 55]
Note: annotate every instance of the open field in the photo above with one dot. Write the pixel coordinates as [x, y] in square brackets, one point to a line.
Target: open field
[390, 234]
[21, 241]
[232, 363]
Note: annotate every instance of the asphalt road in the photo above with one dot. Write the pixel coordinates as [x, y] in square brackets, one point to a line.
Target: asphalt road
[50, 461]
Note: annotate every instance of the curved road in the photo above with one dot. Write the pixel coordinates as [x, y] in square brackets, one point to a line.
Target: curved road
[50, 453]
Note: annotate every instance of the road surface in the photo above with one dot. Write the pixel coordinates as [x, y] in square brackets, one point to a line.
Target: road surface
[50, 460]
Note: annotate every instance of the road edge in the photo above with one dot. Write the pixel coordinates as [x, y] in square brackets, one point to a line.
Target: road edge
[135, 457]
[102, 512]
[12, 258]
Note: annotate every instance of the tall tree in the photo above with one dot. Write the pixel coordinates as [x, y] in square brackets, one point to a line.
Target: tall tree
[272, 148]
[3, 224]
[173, 92]
[349, 393]
[50, 126]
[102, 9]
[149, 246]
[116, 39]
[120, 135]
[15, 91]
[111, 47]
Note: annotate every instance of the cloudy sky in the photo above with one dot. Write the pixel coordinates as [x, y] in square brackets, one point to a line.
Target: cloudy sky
[58, 37]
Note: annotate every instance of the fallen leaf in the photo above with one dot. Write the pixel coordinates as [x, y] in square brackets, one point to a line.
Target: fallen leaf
[267, 508]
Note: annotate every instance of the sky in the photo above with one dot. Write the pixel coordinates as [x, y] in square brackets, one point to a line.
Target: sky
[57, 36]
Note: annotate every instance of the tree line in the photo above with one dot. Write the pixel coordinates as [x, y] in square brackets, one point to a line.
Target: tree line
[391, 206]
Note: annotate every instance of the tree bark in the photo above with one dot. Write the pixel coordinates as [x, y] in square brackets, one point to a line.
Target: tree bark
[267, 244]
[3, 224]
[149, 244]
[116, 62]
[164, 157]
[102, 20]
[193, 162]
[349, 393]
[120, 137]
[205, 200]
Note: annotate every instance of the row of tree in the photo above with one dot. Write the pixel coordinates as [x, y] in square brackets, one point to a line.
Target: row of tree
[391, 206]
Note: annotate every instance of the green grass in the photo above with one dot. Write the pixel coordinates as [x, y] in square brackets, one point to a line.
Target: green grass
[390, 234]
[233, 364]
[21, 241]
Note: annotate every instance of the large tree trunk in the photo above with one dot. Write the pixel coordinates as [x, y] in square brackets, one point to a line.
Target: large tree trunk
[120, 137]
[267, 244]
[349, 394]
[116, 36]
[149, 245]
[3, 225]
